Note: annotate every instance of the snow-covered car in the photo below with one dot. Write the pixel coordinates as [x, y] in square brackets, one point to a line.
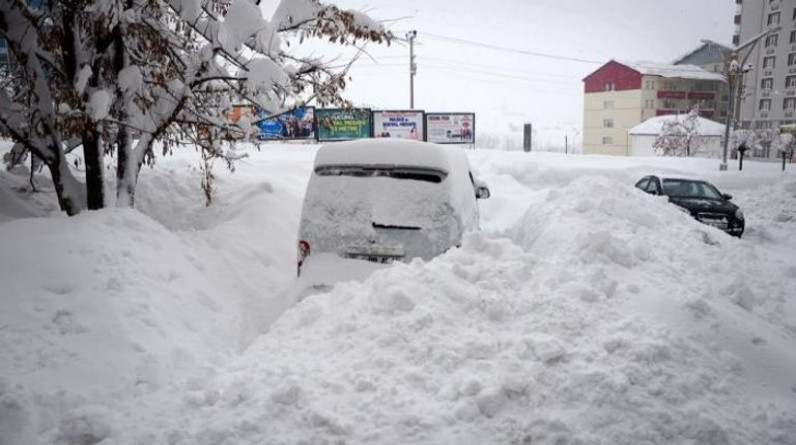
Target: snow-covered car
[701, 199]
[383, 200]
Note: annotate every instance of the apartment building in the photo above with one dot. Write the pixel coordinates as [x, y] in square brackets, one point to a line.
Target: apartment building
[620, 95]
[768, 93]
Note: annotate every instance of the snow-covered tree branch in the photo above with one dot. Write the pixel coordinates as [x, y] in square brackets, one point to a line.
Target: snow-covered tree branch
[119, 75]
[680, 136]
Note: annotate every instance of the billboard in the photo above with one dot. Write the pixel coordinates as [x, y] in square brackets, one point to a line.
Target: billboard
[341, 125]
[450, 128]
[235, 115]
[298, 124]
[398, 124]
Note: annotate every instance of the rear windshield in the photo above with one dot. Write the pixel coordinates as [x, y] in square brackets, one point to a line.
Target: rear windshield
[678, 188]
[363, 171]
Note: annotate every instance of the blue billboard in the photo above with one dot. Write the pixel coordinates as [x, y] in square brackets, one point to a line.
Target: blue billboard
[298, 124]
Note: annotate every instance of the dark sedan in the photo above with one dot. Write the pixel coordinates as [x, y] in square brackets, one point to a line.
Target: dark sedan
[700, 198]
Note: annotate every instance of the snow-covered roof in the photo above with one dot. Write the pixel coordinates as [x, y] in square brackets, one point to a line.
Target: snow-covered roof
[652, 126]
[672, 71]
[385, 152]
[704, 43]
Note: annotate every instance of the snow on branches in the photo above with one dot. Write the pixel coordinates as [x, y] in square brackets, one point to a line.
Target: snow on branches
[679, 136]
[119, 75]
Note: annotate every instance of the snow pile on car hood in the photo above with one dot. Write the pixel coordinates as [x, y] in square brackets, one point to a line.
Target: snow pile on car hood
[603, 316]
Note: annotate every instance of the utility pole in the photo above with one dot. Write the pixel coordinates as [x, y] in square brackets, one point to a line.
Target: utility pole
[411, 35]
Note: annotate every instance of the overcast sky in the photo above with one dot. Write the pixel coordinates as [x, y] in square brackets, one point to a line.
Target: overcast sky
[508, 88]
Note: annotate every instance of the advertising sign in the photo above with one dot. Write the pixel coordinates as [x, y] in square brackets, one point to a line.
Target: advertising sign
[341, 125]
[238, 113]
[398, 124]
[298, 124]
[450, 128]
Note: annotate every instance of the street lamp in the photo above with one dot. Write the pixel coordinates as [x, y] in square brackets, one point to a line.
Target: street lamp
[734, 72]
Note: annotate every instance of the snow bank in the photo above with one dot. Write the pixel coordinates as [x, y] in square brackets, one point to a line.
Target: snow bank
[598, 315]
[112, 305]
[586, 312]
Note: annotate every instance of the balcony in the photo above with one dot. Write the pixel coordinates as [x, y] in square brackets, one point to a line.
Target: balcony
[700, 95]
[669, 94]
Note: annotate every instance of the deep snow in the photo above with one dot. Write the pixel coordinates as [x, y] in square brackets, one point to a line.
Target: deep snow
[584, 312]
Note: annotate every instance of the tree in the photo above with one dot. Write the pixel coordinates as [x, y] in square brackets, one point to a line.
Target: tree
[679, 136]
[116, 76]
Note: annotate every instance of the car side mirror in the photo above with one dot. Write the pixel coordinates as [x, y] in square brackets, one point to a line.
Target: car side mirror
[482, 192]
[726, 196]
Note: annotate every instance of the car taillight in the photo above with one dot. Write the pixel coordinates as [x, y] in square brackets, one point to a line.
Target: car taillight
[303, 253]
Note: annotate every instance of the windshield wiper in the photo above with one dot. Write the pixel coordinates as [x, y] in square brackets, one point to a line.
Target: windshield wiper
[391, 226]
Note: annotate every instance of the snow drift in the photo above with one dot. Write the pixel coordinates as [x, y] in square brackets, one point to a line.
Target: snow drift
[586, 312]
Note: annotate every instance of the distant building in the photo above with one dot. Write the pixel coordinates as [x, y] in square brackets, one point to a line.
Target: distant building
[710, 56]
[619, 96]
[768, 93]
[643, 136]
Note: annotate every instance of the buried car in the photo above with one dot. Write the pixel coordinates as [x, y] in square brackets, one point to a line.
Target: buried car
[700, 199]
[383, 200]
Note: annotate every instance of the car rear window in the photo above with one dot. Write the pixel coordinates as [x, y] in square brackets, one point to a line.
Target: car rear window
[363, 171]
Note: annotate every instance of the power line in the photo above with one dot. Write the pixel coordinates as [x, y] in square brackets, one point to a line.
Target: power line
[509, 50]
[504, 68]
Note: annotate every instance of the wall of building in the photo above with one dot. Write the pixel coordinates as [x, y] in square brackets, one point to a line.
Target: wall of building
[709, 146]
[753, 17]
[622, 108]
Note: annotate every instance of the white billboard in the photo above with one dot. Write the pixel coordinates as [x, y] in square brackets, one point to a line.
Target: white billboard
[450, 128]
[398, 124]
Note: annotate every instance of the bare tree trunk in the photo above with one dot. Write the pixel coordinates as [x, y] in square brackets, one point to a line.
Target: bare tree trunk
[127, 169]
[95, 185]
[70, 192]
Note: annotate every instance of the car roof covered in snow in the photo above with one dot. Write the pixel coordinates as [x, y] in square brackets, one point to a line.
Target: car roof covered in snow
[387, 152]
[680, 177]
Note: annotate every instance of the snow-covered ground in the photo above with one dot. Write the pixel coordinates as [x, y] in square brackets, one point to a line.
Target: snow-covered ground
[584, 312]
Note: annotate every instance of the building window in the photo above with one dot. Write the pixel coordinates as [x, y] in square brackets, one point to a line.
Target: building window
[608, 123]
[649, 84]
[790, 82]
[608, 140]
[767, 83]
[609, 86]
[793, 37]
[794, 14]
[791, 59]
[789, 103]
[768, 62]
[669, 104]
[773, 18]
[772, 40]
[670, 86]
[649, 104]
[765, 104]
[608, 104]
